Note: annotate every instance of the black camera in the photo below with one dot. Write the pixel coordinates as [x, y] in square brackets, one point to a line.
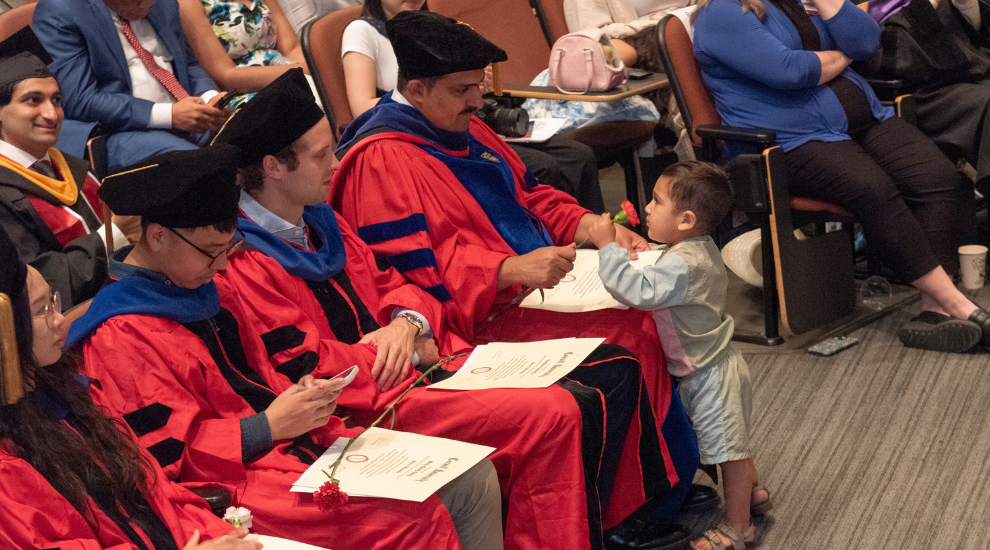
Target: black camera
[506, 121]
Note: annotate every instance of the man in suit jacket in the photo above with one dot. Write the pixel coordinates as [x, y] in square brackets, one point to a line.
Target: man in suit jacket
[126, 65]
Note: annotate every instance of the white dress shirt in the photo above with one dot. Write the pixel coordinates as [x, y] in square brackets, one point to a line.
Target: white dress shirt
[144, 85]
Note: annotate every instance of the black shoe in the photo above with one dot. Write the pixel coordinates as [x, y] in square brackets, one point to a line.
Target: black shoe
[701, 498]
[936, 332]
[982, 318]
[636, 534]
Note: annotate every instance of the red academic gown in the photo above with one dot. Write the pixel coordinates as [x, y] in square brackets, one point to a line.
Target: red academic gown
[388, 183]
[546, 472]
[34, 515]
[187, 414]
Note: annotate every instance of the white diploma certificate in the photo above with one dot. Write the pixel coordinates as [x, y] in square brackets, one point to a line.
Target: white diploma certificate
[276, 543]
[388, 464]
[582, 288]
[519, 364]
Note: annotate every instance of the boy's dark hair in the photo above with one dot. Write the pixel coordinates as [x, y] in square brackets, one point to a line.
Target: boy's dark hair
[373, 8]
[701, 187]
[225, 226]
[251, 178]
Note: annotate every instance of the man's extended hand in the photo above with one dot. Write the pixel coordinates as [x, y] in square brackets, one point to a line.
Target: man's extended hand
[192, 114]
[303, 407]
[541, 268]
[395, 343]
[631, 241]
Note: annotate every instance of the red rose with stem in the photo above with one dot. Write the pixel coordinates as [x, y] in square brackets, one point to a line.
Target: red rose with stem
[329, 497]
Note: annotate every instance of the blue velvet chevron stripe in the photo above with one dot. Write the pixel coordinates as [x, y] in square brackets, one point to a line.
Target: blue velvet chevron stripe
[396, 229]
[439, 292]
[412, 259]
[415, 259]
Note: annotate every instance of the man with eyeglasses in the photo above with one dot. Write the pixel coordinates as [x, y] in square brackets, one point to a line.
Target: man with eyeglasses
[48, 202]
[169, 360]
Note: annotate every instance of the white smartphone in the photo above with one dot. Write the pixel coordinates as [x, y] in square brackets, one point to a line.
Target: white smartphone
[347, 376]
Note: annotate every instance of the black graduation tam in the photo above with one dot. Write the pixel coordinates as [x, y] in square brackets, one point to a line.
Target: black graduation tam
[13, 272]
[428, 44]
[273, 119]
[21, 57]
[178, 189]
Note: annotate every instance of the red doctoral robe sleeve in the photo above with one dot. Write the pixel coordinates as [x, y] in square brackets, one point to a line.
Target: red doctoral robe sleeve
[34, 515]
[389, 178]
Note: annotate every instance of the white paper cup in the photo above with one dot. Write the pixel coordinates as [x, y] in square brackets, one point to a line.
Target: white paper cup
[973, 265]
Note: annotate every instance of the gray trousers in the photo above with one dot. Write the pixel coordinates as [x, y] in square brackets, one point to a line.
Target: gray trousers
[474, 502]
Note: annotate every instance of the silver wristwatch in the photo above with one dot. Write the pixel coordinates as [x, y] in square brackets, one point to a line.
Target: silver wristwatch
[412, 320]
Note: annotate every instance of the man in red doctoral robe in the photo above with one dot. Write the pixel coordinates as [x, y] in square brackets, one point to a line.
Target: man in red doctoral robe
[311, 288]
[169, 358]
[439, 197]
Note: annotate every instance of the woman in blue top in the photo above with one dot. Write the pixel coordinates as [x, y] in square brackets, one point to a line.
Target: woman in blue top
[782, 65]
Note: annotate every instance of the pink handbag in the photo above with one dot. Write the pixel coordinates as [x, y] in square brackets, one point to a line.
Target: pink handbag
[579, 64]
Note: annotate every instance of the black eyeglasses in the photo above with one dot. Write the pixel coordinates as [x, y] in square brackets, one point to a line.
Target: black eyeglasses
[235, 243]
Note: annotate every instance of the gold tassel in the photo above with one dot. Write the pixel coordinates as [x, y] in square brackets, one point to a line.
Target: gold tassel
[496, 79]
[11, 384]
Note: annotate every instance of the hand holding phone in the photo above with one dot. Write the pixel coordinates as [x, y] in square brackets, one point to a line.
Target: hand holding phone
[347, 376]
[226, 99]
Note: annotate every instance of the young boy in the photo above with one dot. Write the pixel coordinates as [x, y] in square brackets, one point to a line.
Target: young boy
[686, 289]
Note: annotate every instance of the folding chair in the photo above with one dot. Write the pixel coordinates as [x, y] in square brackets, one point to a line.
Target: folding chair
[320, 40]
[15, 20]
[808, 281]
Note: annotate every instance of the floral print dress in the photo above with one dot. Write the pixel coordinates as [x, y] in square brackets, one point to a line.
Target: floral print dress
[247, 33]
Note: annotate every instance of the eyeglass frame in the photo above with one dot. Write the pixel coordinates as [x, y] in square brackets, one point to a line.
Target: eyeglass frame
[235, 243]
[52, 307]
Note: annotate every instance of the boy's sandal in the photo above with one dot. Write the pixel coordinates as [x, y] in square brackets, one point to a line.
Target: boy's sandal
[737, 539]
[762, 508]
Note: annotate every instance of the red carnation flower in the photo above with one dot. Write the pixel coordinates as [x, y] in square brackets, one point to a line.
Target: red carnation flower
[630, 211]
[330, 497]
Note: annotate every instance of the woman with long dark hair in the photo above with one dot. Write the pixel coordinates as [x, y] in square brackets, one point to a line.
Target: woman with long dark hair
[70, 476]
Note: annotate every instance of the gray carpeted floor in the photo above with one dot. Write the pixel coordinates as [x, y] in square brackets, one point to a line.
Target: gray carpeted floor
[877, 447]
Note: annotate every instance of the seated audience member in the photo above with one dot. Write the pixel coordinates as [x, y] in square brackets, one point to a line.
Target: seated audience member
[631, 26]
[70, 477]
[170, 359]
[300, 12]
[370, 70]
[48, 202]
[783, 65]
[436, 194]
[126, 65]
[242, 47]
[307, 273]
[944, 59]
[686, 291]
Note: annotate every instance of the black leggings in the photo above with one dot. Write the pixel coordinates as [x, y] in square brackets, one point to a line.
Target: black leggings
[900, 187]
